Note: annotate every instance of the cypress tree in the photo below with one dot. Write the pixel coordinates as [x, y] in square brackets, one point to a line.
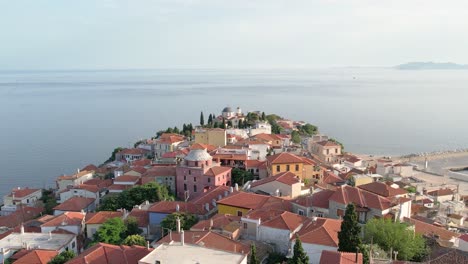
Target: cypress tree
[349, 238]
[300, 257]
[202, 119]
[263, 116]
[210, 120]
[253, 255]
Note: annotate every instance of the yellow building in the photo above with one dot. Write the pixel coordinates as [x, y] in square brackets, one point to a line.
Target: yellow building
[211, 136]
[285, 162]
[243, 202]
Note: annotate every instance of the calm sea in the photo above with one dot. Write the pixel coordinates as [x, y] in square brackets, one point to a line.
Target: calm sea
[55, 122]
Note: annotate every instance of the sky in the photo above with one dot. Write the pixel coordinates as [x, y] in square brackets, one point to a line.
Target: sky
[138, 34]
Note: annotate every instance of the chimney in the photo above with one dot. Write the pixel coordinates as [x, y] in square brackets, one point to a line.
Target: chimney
[22, 229]
[231, 189]
[177, 207]
[178, 224]
[50, 235]
[237, 187]
[207, 207]
[211, 223]
[182, 238]
[226, 193]
[147, 244]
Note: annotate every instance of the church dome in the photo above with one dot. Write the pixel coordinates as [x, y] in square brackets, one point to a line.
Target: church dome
[198, 155]
[227, 109]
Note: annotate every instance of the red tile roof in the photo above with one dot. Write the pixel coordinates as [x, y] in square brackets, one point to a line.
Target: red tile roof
[133, 151]
[170, 138]
[74, 176]
[119, 187]
[430, 230]
[75, 204]
[67, 218]
[239, 157]
[210, 240]
[286, 220]
[336, 257]
[111, 254]
[90, 167]
[213, 193]
[89, 188]
[382, 189]
[169, 207]
[141, 216]
[328, 143]
[137, 169]
[101, 217]
[20, 193]
[252, 163]
[287, 178]
[254, 201]
[19, 216]
[36, 257]
[322, 231]
[284, 158]
[319, 199]
[141, 163]
[331, 178]
[441, 192]
[217, 170]
[348, 194]
[219, 222]
[99, 183]
[208, 147]
[127, 178]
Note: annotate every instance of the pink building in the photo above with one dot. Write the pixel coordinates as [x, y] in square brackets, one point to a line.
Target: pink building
[198, 172]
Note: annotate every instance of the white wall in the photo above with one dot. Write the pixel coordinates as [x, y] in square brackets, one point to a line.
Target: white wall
[78, 192]
[279, 237]
[71, 228]
[314, 251]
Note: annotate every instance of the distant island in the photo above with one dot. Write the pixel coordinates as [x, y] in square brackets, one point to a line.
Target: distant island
[432, 66]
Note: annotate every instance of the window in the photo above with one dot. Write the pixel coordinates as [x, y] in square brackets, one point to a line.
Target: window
[300, 212]
[245, 225]
[223, 177]
[73, 244]
[287, 167]
[196, 163]
[328, 151]
[297, 167]
[185, 187]
[185, 178]
[319, 214]
[194, 188]
[189, 172]
[209, 179]
[194, 179]
[239, 213]
[336, 150]
[277, 168]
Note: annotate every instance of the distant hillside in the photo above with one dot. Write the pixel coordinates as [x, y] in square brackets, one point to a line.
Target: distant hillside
[432, 66]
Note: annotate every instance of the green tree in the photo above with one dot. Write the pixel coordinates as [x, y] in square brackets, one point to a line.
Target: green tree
[176, 130]
[352, 181]
[112, 157]
[186, 220]
[240, 176]
[296, 138]
[62, 257]
[411, 189]
[300, 257]
[134, 240]
[111, 231]
[253, 255]
[308, 129]
[131, 227]
[275, 258]
[49, 201]
[229, 123]
[263, 116]
[202, 119]
[210, 120]
[397, 236]
[349, 237]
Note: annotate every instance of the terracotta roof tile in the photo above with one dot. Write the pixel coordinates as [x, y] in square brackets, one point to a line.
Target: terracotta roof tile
[19, 216]
[318, 199]
[134, 151]
[170, 207]
[429, 229]
[382, 189]
[74, 176]
[336, 257]
[441, 192]
[254, 201]
[127, 178]
[141, 216]
[348, 194]
[102, 253]
[37, 257]
[102, 216]
[286, 220]
[20, 193]
[283, 158]
[67, 218]
[217, 170]
[322, 231]
[220, 221]
[328, 143]
[210, 240]
[75, 204]
[287, 178]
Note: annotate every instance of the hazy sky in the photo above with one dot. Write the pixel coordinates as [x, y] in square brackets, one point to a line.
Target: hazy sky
[90, 34]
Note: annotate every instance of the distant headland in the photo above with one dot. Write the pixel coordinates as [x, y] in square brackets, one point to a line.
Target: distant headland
[432, 66]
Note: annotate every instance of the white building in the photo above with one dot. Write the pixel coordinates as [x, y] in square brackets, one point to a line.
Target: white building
[87, 191]
[66, 181]
[18, 196]
[259, 128]
[176, 252]
[17, 241]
